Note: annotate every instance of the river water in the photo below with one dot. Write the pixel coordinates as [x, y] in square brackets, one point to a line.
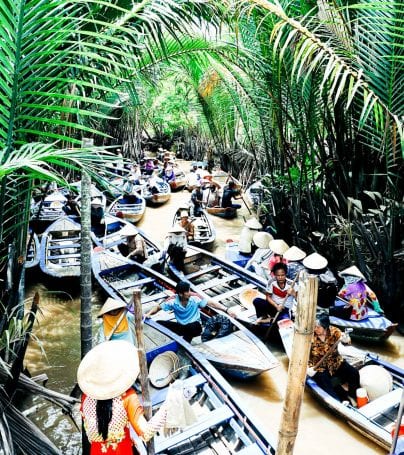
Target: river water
[55, 350]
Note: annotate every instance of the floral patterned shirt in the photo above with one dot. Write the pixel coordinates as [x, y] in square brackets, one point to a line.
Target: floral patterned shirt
[320, 348]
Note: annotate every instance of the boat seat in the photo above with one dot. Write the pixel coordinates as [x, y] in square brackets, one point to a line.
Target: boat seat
[214, 418]
[252, 449]
[151, 298]
[200, 272]
[126, 285]
[378, 405]
[232, 292]
[58, 247]
[217, 282]
[63, 256]
[71, 239]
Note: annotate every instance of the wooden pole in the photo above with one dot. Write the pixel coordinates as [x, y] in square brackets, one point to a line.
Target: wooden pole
[144, 376]
[304, 326]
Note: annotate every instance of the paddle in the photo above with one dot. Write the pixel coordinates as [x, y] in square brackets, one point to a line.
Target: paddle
[279, 312]
[330, 351]
[241, 196]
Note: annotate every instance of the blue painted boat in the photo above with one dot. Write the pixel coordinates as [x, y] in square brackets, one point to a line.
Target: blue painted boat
[204, 230]
[376, 419]
[224, 424]
[60, 249]
[131, 207]
[239, 354]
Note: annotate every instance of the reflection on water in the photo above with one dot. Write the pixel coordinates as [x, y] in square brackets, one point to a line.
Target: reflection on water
[58, 354]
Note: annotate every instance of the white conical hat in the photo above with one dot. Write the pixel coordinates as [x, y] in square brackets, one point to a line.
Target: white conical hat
[278, 246]
[262, 239]
[294, 254]
[128, 230]
[96, 201]
[352, 271]
[315, 261]
[253, 223]
[111, 304]
[108, 370]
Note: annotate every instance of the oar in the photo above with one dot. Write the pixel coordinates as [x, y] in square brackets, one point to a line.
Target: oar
[331, 350]
[279, 312]
[241, 196]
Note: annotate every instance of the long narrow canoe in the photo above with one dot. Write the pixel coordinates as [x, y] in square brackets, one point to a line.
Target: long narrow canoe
[130, 206]
[33, 247]
[60, 249]
[376, 419]
[239, 354]
[204, 230]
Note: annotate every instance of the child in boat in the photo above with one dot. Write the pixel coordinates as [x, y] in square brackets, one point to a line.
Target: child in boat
[356, 293]
[187, 224]
[280, 296]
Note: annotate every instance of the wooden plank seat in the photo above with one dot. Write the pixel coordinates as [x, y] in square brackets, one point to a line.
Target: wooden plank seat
[125, 285]
[151, 298]
[70, 245]
[71, 239]
[200, 272]
[232, 292]
[210, 420]
[63, 256]
[380, 404]
[217, 282]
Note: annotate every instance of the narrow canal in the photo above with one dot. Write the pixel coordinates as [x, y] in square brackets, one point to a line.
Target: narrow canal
[58, 331]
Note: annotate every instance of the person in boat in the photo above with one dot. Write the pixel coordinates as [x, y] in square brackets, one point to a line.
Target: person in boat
[262, 254]
[149, 167]
[278, 247]
[97, 216]
[251, 227]
[71, 207]
[168, 174]
[324, 349]
[197, 200]
[136, 247]
[175, 245]
[210, 191]
[186, 307]
[117, 322]
[110, 405]
[230, 192]
[280, 297]
[315, 264]
[135, 174]
[187, 224]
[294, 257]
[357, 293]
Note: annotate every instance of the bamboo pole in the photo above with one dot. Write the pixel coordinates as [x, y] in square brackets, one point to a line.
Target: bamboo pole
[144, 376]
[304, 326]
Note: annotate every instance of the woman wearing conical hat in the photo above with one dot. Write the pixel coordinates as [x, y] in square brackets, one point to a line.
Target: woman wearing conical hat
[117, 322]
[356, 292]
[109, 404]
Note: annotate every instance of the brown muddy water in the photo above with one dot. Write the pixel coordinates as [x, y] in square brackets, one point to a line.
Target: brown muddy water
[55, 350]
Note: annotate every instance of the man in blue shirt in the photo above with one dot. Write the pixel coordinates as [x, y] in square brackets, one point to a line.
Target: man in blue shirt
[186, 310]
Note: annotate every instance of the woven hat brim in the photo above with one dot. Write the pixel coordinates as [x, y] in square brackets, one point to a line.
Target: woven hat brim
[110, 305]
[163, 368]
[108, 370]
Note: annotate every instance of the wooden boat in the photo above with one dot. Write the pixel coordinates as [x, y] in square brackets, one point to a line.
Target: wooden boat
[254, 194]
[33, 247]
[374, 328]
[239, 354]
[223, 423]
[225, 282]
[111, 238]
[160, 195]
[376, 419]
[180, 180]
[204, 230]
[131, 206]
[60, 249]
[50, 208]
[95, 193]
[222, 212]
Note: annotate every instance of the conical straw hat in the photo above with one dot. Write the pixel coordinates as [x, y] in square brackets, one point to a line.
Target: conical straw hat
[128, 230]
[111, 304]
[315, 262]
[294, 254]
[108, 370]
[352, 271]
[253, 223]
[176, 230]
[163, 369]
[262, 239]
[278, 246]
